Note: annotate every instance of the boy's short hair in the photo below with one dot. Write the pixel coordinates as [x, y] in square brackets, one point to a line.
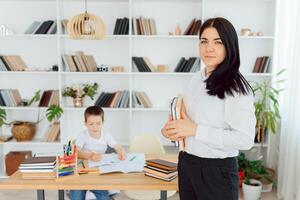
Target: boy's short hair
[93, 110]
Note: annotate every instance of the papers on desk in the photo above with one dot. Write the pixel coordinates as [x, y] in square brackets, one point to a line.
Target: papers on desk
[134, 162]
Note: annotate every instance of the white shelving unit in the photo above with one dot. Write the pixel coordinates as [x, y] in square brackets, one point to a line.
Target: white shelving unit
[45, 50]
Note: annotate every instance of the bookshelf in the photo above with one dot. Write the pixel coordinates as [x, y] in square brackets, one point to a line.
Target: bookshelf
[38, 50]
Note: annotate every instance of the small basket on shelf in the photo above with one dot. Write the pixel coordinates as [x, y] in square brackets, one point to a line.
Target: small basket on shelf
[23, 131]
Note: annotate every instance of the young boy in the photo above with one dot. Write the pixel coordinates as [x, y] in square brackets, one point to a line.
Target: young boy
[92, 144]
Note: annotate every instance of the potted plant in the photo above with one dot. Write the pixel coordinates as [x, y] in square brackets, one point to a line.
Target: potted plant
[266, 108]
[25, 131]
[254, 173]
[79, 91]
[268, 182]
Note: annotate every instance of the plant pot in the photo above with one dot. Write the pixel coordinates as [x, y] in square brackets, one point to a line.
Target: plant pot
[78, 102]
[23, 131]
[267, 186]
[252, 192]
[241, 177]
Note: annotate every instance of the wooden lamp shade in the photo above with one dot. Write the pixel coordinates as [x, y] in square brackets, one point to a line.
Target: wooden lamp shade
[86, 26]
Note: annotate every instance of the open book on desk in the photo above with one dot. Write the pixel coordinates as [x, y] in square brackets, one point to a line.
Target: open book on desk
[134, 162]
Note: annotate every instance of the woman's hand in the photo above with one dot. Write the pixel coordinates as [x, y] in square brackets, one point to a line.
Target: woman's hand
[164, 129]
[178, 129]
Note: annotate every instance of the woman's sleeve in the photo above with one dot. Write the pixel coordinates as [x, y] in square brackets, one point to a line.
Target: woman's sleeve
[240, 117]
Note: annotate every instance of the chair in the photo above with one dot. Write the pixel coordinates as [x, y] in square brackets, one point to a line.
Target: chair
[148, 144]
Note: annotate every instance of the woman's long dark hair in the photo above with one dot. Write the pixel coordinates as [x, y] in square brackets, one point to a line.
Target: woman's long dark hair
[226, 78]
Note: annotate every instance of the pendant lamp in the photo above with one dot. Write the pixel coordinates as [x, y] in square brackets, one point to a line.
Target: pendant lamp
[86, 26]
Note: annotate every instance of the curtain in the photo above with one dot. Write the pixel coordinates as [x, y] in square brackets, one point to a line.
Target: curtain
[288, 56]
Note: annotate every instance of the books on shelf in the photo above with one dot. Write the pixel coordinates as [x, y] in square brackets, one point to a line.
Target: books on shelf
[143, 26]
[79, 62]
[261, 64]
[52, 133]
[193, 28]
[143, 64]
[42, 27]
[12, 63]
[10, 97]
[49, 97]
[109, 163]
[140, 100]
[161, 169]
[121, 26]
[119, 99]
[39, 168]
[190, 65]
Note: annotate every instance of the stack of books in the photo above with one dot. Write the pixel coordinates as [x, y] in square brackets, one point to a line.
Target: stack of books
[261, 64]
[42, 27]
[143, 64]
[193, 28]
[52, 134]
[79, 62]
[49, 97]
[119, 99]
[12, 63]
[161, 169]
[38, 168]
[188, 65]
[140, 100]
[176, 110]
[143, 26]
[122, 26]
[10, 97]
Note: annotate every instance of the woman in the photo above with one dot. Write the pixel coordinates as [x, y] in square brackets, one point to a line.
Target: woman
[218, 119]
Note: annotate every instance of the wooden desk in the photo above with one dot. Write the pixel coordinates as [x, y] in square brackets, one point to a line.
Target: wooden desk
[119, 181]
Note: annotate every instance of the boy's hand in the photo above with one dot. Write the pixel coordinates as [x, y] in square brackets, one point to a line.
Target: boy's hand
[121, 154]
[95, 156]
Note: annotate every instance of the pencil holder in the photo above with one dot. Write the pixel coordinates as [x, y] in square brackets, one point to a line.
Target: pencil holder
[67, 164]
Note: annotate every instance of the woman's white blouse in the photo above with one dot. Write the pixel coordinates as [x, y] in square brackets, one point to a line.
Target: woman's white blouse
[224, 126]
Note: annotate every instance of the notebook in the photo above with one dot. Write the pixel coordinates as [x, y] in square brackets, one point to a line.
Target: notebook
[176, 108]
[161, 178]
[162, 164]
[39, 161]
[109, 163]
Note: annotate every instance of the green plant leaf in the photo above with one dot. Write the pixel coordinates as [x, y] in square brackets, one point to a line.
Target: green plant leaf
[266, 105]
[90, 90]
[53, 112]
[2, 116]
[69, 92]
[35, 98]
